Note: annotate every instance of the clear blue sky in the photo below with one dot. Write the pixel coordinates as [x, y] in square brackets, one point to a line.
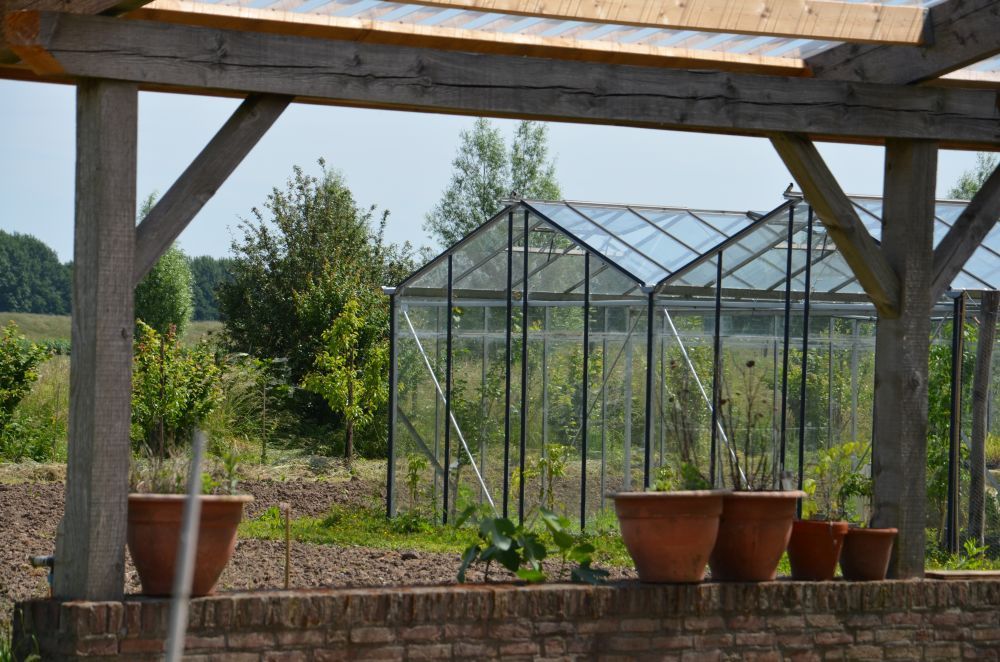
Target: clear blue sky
[398, 161]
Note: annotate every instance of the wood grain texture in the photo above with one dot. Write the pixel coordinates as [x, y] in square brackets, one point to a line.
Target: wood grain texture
[396, 77]
[842, 223]
[964, 32]
[808, 19]
[445, 37]
[899, 451]
[90, 551]
[966, 234]
[199, 182]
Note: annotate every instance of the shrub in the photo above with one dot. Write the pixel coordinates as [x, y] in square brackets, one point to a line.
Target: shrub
[173, 389]
[19, 361]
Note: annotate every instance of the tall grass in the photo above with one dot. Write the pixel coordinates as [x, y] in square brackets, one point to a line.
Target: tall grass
[41, 421]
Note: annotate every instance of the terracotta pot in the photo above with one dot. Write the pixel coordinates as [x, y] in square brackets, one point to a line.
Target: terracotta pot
[753, 534]
[866, 554]
[669, 535]
[814, 549]
[154, 527]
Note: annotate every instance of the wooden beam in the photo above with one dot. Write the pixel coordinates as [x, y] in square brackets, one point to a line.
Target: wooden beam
[199, 182]
[965, 32]
[809, 19]
[966, 234]
[90, 547]
[899, 451]
[195, 59]
[842, 223]
[447, 37]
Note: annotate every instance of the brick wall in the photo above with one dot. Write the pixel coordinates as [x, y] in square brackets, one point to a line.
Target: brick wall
[776, 621]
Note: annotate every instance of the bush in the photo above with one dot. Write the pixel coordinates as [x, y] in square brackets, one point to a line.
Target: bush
[40, 426]
[19, 361]
[173, 390]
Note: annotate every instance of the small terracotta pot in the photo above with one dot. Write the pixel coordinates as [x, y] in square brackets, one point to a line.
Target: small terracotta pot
[753, 534]
[866, 554]
[814, 549]
[669, 535]
[154, 528]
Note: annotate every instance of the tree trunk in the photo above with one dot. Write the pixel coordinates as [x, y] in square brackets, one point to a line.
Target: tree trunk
[980, 425]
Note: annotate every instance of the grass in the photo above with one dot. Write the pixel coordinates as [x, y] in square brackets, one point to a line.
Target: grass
[39, 328]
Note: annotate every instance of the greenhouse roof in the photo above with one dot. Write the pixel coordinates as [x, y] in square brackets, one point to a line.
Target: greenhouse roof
[675, 249]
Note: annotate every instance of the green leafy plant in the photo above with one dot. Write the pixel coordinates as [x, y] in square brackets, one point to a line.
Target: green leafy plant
[835, 482]
[669, 479]
[416, 465]
[173, 390]
[522, 551]
[19, 361]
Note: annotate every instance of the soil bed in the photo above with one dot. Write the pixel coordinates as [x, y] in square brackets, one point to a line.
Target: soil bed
[30, 513]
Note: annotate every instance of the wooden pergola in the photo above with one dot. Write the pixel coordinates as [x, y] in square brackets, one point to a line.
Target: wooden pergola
[793, 71]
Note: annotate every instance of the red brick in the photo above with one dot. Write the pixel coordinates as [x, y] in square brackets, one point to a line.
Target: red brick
[761, 656]
[626, 644]
[305, 638]
[428, 651]
[420, 633]
[754, 639]
[702, 624]
[192, 643]
[380, 653]
[330, 655]
[672, 642]
[104, 644]
[903, 652]
[948, 651]
[833, 638]
[372, 635]
[474, 649]
[141, 646]
[864, 652]
[701, 656]
[286, 656]
[518, 648]
[639, 625]
[250, 640]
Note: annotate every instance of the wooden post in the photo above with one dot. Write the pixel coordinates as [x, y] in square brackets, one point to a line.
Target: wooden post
[981, 381]
[899, 455]
[90, 550]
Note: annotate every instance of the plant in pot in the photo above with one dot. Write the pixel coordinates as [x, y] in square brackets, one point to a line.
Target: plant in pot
[173, 390]
[670, 531]
[832, 486]
[867, 550]
[756, 520]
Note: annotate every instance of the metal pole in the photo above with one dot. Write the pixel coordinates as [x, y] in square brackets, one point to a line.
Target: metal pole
[507, 358]
[187, 547]
[604, 408]
[955, 441]
[831, 409]
[648, 450]
[627, 417]
[524, 373]
[390, 488]
[586, 391]
[855, 339]
[805, 357]
[545, 381]
[483, 408]
[716, 369]
[447, 394]
[788, 316]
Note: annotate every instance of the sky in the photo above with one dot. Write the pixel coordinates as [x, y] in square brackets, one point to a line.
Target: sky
[397, 161]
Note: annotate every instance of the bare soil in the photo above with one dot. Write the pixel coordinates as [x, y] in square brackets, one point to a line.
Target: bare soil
[30, 513]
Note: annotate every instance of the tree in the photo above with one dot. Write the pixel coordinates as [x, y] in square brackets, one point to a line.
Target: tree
[971, 181]
[32, 280]
[208, 273]
[349, 373]
[164, 297]
[19, 361]
[484, 174]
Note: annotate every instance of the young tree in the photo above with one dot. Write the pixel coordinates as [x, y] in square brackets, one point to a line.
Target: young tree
[484, 174]
[971, 181]
[164, 297]
[350, 373]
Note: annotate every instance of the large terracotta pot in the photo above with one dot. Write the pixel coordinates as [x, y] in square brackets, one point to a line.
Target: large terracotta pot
[154, 527]
[814, 549]
[669, 535]
[866, 554]
[753, 534]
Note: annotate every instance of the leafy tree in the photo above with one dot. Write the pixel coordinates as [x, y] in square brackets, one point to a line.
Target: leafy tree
[972, 180]
[349, 373]
[32, 280]
[19, 360]
[173, 389]
[208, 273]
[484, 173]
[164, 298]
[300, 259]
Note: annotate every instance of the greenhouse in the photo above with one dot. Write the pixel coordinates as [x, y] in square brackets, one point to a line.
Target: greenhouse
[564, 351]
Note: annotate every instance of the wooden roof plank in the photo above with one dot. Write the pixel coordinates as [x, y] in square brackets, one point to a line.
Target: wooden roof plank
[200, 60]
[810, 19]
[964, 32]
[451, 38]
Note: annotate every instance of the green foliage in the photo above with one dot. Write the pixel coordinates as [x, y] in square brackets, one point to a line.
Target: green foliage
[669, 479]
[835, 482]
[173, 390]
[19, 361]
[483, 175]
[163, 299]
[416, 466]
[244, 411]
[993, 451]
[32, 280]
[38, 429]
[350, 373]
[741, 412]
[207, 274]
[971, 181]
[522, 551]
